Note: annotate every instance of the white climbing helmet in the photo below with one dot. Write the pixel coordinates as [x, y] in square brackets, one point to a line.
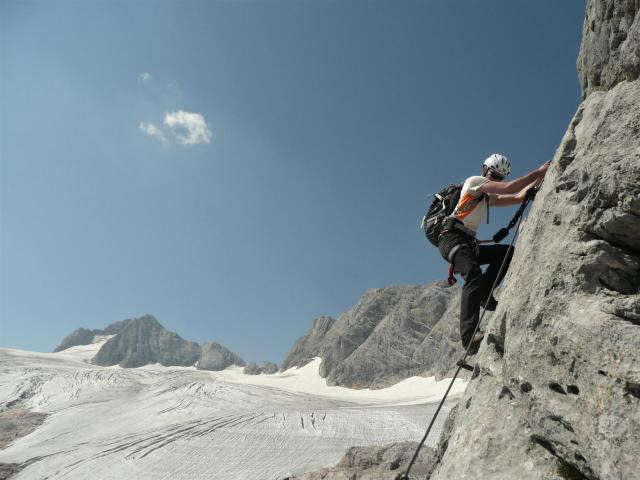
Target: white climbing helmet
[498, 164]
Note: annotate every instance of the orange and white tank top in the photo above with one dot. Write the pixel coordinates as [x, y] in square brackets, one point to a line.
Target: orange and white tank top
[471, 208]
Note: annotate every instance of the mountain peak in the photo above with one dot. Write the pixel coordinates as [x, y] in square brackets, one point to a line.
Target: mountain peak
[144, 340]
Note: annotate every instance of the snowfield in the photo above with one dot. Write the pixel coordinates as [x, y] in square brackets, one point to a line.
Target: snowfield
[174, 423]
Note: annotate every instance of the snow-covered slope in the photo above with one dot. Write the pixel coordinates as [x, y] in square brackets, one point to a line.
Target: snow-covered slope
[181, 423]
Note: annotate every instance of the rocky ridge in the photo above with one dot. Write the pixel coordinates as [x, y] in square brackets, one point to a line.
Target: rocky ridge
[145, 341]
[308, 347]
[141, 341]
[84, 336]
[391, 333]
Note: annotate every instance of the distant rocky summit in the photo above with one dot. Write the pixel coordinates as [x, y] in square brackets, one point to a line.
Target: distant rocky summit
[144, 341]
[141, 341]
[391, 333]
[84, 336]
[217, 357]
[268, 368]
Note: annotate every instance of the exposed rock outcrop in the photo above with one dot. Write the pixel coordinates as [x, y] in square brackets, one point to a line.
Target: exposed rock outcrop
[217, 357]
[563, 399]
[84, 336]
[267, 368]
[375, 463]
[610, 51]
[144, 341]
[391, 333]
[81, 336]
[308, 347]
[16, 421]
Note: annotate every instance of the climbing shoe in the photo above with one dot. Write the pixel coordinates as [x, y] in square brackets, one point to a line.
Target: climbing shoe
[490, 305]
[474, 345]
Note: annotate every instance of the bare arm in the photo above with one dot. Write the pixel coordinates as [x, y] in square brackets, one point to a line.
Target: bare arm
[514, 186]
[512, 199]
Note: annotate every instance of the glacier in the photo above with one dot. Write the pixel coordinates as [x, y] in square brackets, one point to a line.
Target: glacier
[157, 422]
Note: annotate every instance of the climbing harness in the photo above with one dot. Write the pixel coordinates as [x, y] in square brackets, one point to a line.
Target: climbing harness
[498, 236]
[517, 219]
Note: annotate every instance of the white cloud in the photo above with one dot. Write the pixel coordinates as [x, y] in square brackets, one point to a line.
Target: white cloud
[188, 128]
[144, 77]
[153, 131]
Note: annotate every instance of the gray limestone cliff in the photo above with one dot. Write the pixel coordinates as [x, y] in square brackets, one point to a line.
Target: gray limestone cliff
[84, 336]
[557, 394]
[391, 333]
[144, 341]
[217, 357]
[563, 399]
[308, 347]
[610, 51]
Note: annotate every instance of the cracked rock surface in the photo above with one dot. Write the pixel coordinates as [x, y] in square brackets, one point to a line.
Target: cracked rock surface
[610, 51]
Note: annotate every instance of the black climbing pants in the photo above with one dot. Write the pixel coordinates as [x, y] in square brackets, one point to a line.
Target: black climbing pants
[477, 285]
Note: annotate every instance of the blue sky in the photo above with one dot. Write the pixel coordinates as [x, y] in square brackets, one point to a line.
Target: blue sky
[239, 168]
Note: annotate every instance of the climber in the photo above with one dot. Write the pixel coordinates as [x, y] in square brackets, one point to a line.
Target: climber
[458, 245]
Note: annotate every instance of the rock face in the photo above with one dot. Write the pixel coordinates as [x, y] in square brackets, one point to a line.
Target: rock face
[16, 422]
[563, 399]
[610, 51]
[84, 336]
[217, 357]
[144, 341]
[392, 333]
[308, 347]
[81, 336]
